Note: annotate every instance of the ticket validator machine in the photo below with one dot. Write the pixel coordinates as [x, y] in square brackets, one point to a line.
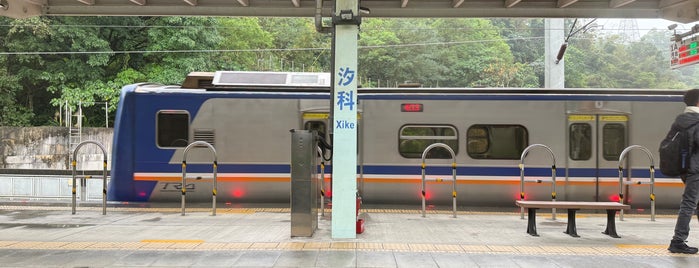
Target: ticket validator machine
[304, 183]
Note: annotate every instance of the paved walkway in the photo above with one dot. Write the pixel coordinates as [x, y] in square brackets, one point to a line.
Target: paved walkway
[50, 236]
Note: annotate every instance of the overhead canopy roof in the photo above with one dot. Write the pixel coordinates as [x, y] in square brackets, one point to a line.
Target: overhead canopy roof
[684, 11]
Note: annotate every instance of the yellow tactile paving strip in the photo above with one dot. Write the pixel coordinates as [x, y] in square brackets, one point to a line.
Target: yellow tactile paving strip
[561, 214]
[202, 245]
[197, 245]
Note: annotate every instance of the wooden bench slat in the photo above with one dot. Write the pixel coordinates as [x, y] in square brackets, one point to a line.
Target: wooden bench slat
[571, 204]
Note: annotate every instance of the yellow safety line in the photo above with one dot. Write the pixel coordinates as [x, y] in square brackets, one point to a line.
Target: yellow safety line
[640, 246]
[171, 241]
[226, 210]
[199, 245]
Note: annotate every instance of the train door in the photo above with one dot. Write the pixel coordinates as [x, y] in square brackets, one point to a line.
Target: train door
[595, 142]
[319, 121]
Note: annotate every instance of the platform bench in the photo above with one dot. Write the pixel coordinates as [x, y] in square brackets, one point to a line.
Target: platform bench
[572, 207]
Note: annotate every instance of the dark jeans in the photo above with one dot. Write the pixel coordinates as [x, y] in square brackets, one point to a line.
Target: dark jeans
[690, 197]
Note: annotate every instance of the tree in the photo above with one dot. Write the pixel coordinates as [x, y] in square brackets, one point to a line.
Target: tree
[47, 62]
[377, 59]
[525, 38]
[241, 34]
[175, 47]
[300, 47]
[11, 113]
[479, 47]
[607, 61]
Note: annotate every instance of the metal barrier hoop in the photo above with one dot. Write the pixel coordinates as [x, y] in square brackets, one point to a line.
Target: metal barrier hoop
[104, 175]
[184, 173]
[453, 169]
[622, 157]
[553, 177]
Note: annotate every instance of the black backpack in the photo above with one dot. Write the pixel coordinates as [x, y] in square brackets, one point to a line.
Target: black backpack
[676, 151]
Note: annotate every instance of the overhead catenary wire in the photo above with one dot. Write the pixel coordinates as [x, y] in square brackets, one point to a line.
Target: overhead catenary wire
[258, 50]
[564, 46]
[239, 27]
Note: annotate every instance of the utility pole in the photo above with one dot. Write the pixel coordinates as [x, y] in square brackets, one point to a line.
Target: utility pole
[554, 71]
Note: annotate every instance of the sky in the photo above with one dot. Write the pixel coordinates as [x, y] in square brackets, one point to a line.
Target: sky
[644, 25]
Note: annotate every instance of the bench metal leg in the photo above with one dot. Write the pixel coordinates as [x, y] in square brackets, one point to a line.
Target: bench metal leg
[611, 224]
[572, 229]
[531, 221]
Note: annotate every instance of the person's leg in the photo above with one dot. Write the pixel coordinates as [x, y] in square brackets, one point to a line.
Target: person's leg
[690, 198]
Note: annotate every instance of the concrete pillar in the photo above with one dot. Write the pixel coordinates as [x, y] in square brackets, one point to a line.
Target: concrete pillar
[346, 23]
[554, 35]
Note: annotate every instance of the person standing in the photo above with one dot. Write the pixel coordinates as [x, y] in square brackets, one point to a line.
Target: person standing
[688, 120]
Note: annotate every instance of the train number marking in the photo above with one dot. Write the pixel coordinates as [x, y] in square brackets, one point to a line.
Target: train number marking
[172, 186]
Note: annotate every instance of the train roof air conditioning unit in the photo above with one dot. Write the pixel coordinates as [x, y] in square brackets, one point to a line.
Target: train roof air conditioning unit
[267, 79]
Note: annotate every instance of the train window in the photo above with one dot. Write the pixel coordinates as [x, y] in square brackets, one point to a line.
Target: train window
[580, 135]
[496, 141]
[414, 139]
[172, 128]
[613, 141]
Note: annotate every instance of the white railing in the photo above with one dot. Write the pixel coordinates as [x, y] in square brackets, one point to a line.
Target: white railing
[46, 187]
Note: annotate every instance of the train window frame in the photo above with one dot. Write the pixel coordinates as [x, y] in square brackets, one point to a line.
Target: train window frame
[158, 129]
[306, 126]
[607, 154]
[571, 148]
[434, 138]
[487, 139]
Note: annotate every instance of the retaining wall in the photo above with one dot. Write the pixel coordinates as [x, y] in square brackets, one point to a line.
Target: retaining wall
[48, 148]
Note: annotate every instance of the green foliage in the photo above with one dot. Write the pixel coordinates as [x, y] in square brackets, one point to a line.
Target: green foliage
[439, 52]
[301, 48]
[244, 35]
[11, 114]
[607, 61]
[175, 45]
[87, 60]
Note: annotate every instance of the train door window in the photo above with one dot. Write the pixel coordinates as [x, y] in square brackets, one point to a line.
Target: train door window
[580, 141]
[496, 141]
[172, 129]
[318, 126]
[414, 139]
[613, 141]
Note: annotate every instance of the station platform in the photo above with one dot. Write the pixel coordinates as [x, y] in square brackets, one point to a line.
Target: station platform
[43, 235]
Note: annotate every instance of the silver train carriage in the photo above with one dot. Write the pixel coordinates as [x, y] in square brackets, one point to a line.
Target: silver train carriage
[247, 116]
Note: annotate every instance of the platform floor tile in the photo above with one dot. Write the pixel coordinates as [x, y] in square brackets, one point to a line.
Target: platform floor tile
[376, 259]
[258, 258]
[217, 259]
[305, 258]
[336, 259]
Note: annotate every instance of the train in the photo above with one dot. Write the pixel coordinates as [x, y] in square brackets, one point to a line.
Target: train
[247, 116]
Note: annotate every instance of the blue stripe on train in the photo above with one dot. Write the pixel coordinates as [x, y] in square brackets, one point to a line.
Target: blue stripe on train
[394, 170]
[141, 190]
[412, 96]
[435, 96]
